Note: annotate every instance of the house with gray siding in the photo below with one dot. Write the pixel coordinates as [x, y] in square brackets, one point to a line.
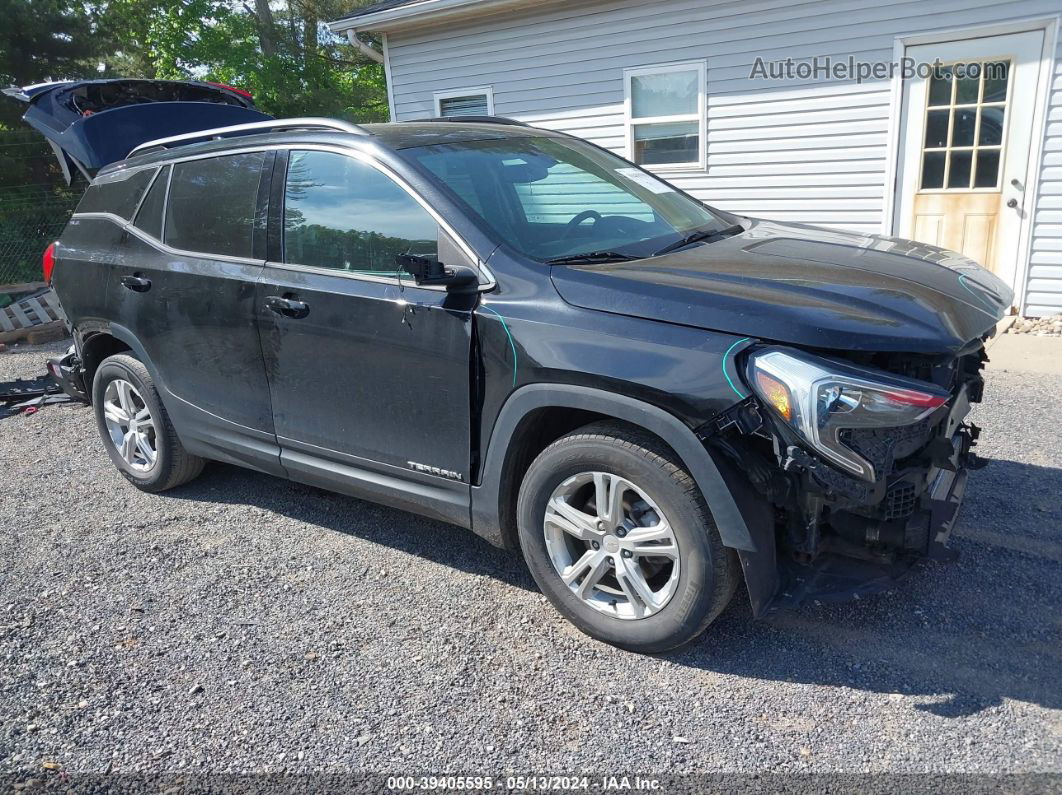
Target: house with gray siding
[940, 122]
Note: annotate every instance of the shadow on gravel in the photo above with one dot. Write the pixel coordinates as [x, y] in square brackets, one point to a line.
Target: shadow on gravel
[964, 635]
[439, 542]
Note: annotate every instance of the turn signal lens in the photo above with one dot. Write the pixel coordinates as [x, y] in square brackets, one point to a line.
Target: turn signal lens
[776, 393]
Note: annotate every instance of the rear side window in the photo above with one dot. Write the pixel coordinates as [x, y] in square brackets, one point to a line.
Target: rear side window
[211, 205]
[149, 216]
[344, 214]
[118, 194]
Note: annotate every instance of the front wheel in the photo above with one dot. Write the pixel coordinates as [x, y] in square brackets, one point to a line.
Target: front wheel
[618, 537]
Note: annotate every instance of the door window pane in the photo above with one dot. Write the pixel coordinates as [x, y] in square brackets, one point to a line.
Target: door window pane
[996, 76]
[149, 216]
[959, 172]
[937, 129]
[987, 169]
[933, 170]
[672, 142]
[991, 133]
[966, 90]
[940, 87]
[962, 127]
[665, 94]
[212, 202]
[342, 213]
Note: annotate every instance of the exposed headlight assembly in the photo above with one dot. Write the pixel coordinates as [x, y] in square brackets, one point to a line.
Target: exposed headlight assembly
[820, 398]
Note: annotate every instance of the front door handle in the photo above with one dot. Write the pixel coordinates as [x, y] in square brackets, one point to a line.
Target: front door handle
[138, 284]
[288, 307]
[1012, 203]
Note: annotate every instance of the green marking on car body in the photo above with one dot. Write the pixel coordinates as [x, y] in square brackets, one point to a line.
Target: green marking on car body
[507, 334]
[980, 298]
[726, 375]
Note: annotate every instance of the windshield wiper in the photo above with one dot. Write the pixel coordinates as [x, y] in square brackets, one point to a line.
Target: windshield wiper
[701, 236]
[584, 257]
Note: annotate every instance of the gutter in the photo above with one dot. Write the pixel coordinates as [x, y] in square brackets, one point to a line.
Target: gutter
[415, 13]
[365, 49]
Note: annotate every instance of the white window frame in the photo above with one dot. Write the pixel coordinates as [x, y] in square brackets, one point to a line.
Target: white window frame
[487, 91]
[701, 116]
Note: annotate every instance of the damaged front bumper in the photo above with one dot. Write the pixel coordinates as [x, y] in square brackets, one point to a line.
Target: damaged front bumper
[826, 535]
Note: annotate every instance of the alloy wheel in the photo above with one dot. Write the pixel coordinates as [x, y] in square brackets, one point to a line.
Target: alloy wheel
[129, 425]
[611, 545]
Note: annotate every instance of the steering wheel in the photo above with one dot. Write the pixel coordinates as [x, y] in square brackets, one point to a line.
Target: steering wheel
[572, 224]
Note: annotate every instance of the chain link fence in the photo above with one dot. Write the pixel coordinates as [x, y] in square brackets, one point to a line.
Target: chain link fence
[35, 203]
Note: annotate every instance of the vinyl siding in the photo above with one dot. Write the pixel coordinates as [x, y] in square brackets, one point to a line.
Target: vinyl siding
[812, 151]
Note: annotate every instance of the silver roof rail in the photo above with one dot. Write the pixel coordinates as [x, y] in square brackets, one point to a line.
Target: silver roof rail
[309, 123]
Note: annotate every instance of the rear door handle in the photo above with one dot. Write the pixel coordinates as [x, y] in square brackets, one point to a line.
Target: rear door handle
[138, 284]
[288, 307]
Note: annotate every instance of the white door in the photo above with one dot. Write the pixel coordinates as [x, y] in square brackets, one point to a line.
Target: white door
[966, 147]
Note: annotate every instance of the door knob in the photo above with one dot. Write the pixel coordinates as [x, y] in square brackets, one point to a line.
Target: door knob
[1012, 203]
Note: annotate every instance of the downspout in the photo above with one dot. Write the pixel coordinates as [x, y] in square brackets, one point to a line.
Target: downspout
[365, 49]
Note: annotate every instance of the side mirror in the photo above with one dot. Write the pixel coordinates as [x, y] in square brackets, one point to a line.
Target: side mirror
[427, 271]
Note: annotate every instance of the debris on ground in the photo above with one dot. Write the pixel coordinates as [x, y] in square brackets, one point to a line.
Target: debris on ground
[29, 395]
[1049, 326]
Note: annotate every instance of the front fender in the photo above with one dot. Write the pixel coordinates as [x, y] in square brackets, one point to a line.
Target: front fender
[486, 498]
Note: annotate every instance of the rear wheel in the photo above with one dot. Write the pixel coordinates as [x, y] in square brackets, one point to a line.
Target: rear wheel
[618, 537]
[136, 429]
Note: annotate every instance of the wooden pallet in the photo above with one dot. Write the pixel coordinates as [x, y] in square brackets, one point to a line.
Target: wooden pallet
[30, 316]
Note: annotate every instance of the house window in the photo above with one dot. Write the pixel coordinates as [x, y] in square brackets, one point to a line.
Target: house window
[666, 115]
[465, 102]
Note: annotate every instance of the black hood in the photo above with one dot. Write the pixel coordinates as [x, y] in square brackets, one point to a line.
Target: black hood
[804, 286]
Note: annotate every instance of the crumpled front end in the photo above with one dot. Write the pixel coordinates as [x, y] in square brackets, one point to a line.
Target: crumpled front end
[864, 462]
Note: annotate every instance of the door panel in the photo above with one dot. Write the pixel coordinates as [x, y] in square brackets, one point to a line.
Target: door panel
[369, 374]
[966, 147]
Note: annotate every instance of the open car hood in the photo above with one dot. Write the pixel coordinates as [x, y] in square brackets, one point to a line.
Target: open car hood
[804, 286]
[92, 123]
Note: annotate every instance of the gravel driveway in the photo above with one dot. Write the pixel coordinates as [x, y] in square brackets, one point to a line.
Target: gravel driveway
[244, 623]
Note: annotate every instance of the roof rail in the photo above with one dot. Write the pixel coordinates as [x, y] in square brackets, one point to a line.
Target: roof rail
[309, 123]
[474, 120]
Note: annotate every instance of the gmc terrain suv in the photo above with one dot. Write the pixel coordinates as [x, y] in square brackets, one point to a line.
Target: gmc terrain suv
[519, 332]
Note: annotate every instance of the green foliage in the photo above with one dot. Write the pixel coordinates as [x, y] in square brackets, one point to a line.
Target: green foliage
[279, 50]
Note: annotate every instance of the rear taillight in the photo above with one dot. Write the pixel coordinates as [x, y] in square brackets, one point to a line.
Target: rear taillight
[48, 263]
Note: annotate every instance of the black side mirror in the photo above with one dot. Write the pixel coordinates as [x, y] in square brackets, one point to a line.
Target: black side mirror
[427, 271]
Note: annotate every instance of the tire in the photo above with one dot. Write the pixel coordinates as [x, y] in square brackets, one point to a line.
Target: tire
[171, 464]
[652, 485]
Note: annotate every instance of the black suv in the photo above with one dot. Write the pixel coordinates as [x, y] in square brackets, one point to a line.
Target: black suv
[519, 332]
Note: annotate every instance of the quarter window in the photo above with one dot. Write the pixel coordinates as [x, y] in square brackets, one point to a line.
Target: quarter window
[666, 115]
[211, 205]
[118, 193]
[149, 216]
[343, 214]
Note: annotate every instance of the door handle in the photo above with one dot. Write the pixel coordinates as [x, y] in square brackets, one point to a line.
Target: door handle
[288, 307]
[138, 284]
[1012, 203]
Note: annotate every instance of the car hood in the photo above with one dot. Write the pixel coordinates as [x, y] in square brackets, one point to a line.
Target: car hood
[804, 286]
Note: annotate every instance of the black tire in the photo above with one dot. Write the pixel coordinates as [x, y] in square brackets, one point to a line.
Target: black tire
[173, 465]
[708, 571]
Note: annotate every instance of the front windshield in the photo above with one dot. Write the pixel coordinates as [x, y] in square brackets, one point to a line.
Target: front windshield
[551, 198]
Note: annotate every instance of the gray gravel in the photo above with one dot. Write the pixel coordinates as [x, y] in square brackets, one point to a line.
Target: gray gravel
[243, 623]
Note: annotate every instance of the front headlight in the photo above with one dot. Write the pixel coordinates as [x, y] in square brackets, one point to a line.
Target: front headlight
[820, 398]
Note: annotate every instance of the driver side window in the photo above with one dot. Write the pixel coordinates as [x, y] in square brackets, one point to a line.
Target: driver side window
[343, 214]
